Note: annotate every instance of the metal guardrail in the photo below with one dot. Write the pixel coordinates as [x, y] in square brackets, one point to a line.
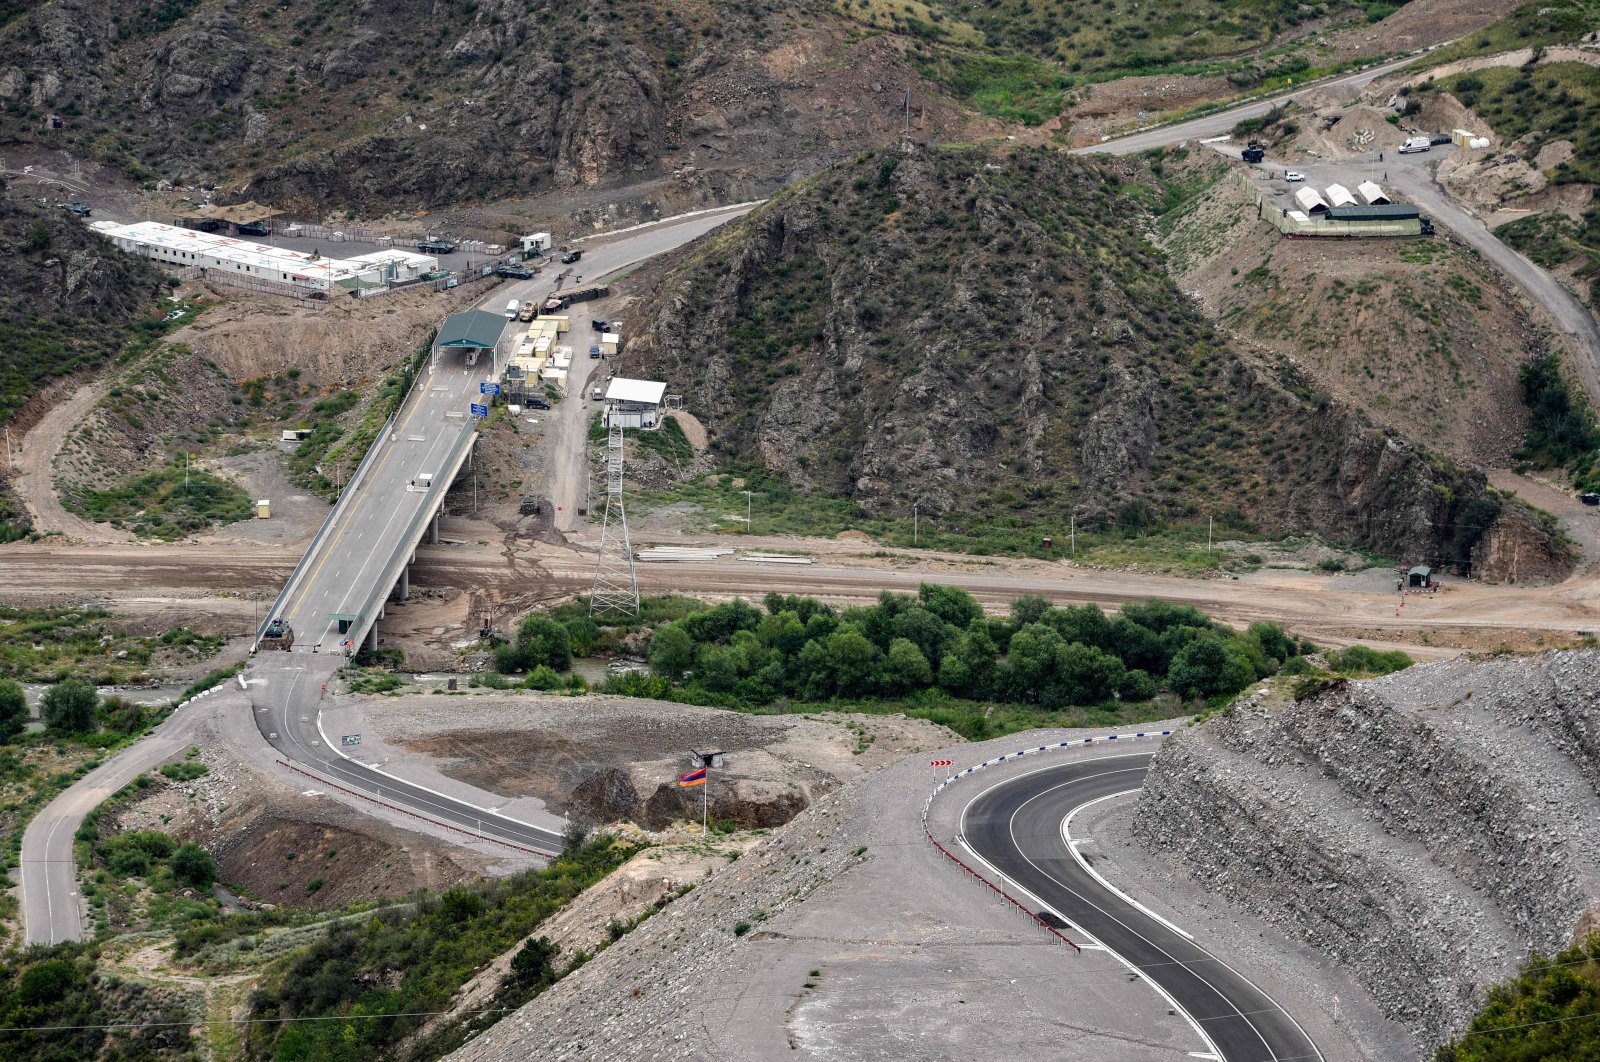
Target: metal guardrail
[325, 780]
[413, 533]
[339, 506]
[1006, 758]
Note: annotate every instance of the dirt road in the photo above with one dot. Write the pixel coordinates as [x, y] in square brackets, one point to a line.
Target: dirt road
[36, 482]
[1310, 603]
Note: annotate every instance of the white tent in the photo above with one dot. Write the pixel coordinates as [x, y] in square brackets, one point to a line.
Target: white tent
[1339, 195]
[1310, 201]
[1373, 194]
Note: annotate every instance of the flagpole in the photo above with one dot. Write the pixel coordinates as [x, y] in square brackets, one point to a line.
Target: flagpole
[705, 801]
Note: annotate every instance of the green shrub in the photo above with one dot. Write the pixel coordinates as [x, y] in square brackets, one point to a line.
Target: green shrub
[13, 710]
[193, 866]
[1360, 660]
[69, 706]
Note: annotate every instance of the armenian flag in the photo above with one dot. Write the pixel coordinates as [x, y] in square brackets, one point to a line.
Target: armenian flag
[692, 778]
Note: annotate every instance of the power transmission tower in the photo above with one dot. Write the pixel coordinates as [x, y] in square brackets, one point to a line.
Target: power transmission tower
[616, 586]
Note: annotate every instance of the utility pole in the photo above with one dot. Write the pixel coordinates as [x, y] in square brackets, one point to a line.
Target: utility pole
[1074, 534]
[916, 525]
[1208, 532]
[748, 495]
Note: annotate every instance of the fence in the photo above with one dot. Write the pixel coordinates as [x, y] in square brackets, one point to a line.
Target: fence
[320, 777]
[1280, 219]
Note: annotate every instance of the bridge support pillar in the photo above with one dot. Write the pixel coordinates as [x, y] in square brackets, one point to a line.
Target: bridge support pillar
[371, 639]
[433, 530]
[402, 589]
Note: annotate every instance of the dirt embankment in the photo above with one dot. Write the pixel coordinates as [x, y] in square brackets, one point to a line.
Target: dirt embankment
[292, 847]
[606, 759]
[1425, 831]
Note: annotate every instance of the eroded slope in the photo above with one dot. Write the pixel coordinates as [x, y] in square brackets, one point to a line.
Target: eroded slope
[1425, 831]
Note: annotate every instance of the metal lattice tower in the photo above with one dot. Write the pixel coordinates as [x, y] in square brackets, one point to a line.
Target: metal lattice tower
[616, 585]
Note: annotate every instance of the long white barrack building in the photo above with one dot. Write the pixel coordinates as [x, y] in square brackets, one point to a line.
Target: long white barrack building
[181, 247]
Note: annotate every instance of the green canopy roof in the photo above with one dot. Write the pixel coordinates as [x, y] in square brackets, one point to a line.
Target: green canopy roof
[474, 328]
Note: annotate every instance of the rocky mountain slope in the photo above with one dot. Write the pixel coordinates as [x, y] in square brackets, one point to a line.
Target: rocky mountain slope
[402, 104]
[68, 301]
[1425, 830]
[992, 335]
[386, 105]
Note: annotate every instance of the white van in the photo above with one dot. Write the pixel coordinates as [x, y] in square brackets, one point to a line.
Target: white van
[511, 309]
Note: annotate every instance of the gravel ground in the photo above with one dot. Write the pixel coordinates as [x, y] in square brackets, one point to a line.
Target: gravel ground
[1302, 980]
[859, 941]
[607, 758]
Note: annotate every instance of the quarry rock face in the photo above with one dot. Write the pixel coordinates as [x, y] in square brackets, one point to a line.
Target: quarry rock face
[1426, 831]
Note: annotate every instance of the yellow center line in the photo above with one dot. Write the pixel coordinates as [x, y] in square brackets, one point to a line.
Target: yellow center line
[338, 534]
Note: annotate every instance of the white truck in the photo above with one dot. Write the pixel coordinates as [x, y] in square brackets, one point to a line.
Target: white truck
[1415, 144]
[511, 309]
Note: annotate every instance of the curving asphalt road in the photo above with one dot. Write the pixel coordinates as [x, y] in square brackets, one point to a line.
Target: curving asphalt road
[1021, 828]
[51, 907]
[285, 698]
[1223, 121]
[285, 689]
[373, 524]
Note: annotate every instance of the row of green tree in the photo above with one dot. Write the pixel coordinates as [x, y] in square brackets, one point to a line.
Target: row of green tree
[1039, 654]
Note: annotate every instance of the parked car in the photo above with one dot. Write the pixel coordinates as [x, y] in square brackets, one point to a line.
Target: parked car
[594, 351]
[535, 402]
[597, 393]
[1590, 498]
[1294, 175]
[80, 209]
[571, 256]
[599, 325]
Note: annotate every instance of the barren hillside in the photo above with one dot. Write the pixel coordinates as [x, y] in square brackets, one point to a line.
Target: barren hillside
[1421, 336]
[68, 301]
[1425, 830]
[406, 105]
[994, 337]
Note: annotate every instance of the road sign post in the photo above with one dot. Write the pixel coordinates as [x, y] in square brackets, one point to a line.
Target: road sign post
[487, 388]
[479, 411]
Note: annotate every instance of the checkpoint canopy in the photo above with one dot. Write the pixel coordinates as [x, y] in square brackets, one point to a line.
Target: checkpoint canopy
[471, 330]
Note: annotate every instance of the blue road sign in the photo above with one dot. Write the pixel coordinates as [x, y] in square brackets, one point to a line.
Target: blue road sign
[479, 411]
[486, 388]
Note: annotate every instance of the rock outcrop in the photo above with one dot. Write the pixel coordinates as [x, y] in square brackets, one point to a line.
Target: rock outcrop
[1425, 831]
[991, 332]
[381, 106]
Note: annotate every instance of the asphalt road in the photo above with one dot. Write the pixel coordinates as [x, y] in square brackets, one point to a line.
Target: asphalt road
[377, 523]
[286, 691]
[1224, 121]
[1412, 176]
[1018, 826]
[387, 498]
[51, 908]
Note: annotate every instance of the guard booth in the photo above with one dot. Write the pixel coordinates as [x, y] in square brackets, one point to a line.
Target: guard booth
[1420, 577]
